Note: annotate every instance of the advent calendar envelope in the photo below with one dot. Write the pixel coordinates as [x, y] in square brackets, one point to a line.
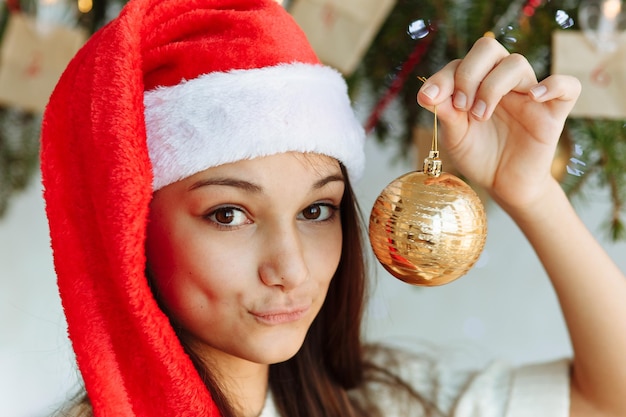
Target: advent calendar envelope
[32, 59]
[602, 74]
[340, 31]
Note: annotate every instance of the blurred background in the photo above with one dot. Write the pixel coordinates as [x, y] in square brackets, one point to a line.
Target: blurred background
[503, 308]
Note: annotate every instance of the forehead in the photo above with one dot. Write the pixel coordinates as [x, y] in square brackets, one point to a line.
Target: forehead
[281, 163]
[321, 163]
[282, 168]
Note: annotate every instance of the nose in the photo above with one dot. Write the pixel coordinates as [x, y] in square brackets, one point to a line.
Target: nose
[283, 261]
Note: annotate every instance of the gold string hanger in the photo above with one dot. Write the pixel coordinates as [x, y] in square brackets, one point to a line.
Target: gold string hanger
[433, 166]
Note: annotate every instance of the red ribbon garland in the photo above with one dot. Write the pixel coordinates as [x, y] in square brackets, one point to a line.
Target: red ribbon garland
[531, 7]
[13, 5]
[399, 81]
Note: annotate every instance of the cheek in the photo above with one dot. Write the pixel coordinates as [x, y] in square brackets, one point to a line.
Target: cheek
[191, 269]
[169, 257]
[326, 254]
[161, 245]
[179, 262]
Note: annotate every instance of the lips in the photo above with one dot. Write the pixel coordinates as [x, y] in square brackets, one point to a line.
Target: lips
[280, 316]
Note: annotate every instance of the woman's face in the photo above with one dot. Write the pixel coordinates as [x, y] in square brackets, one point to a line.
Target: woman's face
[242, 254]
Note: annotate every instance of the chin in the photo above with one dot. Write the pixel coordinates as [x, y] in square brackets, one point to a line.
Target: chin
[283, 358]
[277, 351]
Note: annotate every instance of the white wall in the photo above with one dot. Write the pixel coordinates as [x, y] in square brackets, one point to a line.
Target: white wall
[503, 308]
[35, 358]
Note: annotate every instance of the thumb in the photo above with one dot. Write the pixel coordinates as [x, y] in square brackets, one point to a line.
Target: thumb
[559, 91]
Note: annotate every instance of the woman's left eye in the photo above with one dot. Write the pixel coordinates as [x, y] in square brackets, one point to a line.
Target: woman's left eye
[318, 212]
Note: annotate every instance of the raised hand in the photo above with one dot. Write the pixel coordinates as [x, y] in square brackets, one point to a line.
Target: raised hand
[498, 124]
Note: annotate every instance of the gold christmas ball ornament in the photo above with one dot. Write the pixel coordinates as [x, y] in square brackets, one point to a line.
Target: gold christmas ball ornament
[428, 230]
[428, 227]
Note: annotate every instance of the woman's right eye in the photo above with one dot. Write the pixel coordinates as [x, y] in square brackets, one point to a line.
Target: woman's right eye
[228, 217]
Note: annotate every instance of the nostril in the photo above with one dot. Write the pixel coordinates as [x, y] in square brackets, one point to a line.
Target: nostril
[286, 271]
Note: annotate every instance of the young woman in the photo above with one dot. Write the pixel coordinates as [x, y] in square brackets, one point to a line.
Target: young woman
[197, 161]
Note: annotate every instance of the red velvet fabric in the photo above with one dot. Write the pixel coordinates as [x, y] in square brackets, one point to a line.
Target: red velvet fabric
[97, 185]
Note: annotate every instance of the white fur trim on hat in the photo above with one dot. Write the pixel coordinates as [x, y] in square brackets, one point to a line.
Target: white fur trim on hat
[224, 117]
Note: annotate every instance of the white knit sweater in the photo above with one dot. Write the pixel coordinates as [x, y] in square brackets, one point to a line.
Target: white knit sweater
[498, 390]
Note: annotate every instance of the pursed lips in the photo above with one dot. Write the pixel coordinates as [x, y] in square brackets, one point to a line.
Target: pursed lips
[275, 316]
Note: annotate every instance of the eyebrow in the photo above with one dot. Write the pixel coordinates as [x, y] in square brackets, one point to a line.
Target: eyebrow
[255, 188]
[326, 180]
[228, 182]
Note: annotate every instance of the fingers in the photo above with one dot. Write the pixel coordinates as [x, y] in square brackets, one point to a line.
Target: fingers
[477, 83]
[512, 74]
[563, 89]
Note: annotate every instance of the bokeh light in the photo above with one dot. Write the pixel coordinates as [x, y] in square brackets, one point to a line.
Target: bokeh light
[85, 6]
[418, 29]
[563, 19]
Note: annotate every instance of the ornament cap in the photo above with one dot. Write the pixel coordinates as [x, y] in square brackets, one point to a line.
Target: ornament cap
[433, 166]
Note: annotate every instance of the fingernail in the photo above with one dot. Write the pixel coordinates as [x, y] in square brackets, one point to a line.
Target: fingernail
[460, 100]
[538, 91]
[479, 109]
[431, 91]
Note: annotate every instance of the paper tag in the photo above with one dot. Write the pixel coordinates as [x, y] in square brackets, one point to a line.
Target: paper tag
[602, 75]
[32, 58]
[341, 31]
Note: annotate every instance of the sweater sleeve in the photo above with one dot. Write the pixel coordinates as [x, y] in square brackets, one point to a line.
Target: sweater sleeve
[499, 390]
[537, 389]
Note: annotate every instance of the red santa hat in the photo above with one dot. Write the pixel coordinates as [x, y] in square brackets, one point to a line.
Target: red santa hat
[248, 86]
[167, 89]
